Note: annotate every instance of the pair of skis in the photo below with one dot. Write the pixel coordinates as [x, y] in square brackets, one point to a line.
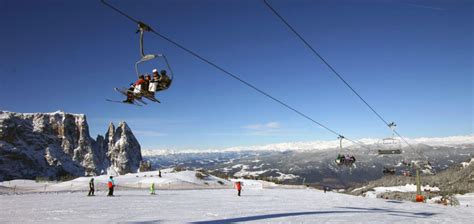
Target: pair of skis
[135, 100]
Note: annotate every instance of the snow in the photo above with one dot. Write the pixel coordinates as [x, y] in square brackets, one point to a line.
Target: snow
[358, 189]
[221, 206]
[169, 179]
[406, 188]
[466, 164]
[182, 197]
[284, 176]
[42, 113]
[315, 145]
[243, 173]
[249, 184]
[466, 200]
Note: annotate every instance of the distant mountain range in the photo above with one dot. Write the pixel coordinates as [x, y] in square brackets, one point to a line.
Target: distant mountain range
[313, 162]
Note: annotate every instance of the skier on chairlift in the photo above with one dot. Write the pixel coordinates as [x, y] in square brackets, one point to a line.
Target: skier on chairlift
[138, 84]
[135, 90]
[130, 95]
[165, 80]
[154, 82]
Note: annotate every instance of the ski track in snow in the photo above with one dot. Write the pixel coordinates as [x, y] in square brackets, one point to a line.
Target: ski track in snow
[222, 206]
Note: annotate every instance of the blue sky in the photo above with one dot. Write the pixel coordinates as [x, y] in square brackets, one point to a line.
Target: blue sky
[412, 60]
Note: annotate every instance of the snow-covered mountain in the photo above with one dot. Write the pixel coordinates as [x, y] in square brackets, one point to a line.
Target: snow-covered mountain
[321, 145]
[52, 145]
[316, 166]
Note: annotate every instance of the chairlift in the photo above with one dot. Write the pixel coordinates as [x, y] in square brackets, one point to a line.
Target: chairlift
[342, 159]
[390, 145]
[136, 98]
[168, 77]
[389, 171]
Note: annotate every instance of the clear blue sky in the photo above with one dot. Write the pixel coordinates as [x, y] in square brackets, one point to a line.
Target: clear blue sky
[412, 60]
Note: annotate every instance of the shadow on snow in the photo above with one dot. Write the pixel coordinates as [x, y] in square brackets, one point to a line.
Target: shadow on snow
[352, 210]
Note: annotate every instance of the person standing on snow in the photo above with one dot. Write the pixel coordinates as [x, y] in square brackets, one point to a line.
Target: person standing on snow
[111, 185]
[152, 189]
[238, 186]
[91, 187]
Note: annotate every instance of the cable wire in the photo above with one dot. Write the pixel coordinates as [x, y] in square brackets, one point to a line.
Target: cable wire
[231, 74]
[334, 71]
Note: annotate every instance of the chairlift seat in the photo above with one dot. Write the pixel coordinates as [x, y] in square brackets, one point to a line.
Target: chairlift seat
[389, 151]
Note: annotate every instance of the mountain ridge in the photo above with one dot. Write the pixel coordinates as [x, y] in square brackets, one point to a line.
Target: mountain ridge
[319, 145]
[58, 144]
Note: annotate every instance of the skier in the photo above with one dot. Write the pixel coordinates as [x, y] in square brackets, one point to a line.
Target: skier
[353, 159]
[340, 159]
[146, 84]
[165, 80]
[111, 186]
[325, 189]
[159, 173]
[138, 84]
[153, 86]
[91, 187]
[152, 189]
[238, 186]
[130, 95]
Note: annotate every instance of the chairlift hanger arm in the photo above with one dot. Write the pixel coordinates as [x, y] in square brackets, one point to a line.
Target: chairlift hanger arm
[143, 27]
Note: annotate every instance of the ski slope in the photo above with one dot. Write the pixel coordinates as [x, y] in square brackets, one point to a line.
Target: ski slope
[182, 197]
[222, 206]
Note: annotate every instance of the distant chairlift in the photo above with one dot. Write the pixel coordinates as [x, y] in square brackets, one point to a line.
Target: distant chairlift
[391, 145]
[389, 171]
[344, 159]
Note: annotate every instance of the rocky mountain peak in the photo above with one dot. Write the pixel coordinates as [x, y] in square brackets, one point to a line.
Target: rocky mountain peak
[124, 151]
[57, 144]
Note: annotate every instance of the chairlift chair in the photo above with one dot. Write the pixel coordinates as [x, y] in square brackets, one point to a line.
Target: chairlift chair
[341, 158]
[389, 171]
[390, 145]
[149, 57]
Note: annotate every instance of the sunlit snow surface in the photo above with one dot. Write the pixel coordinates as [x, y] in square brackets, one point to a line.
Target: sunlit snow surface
[222, 206]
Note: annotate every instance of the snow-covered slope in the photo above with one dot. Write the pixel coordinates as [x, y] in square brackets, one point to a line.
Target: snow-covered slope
[170, 179]
[223, 206]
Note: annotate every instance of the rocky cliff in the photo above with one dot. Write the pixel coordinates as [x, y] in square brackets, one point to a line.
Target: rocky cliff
[58, 144]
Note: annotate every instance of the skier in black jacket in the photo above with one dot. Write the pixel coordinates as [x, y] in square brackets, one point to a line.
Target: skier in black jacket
[91, 187]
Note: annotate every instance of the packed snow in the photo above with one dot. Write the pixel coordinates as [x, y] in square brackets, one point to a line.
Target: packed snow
[222, 206]
[186, 197]
[405, 188]
[466, 199]
[169, 180]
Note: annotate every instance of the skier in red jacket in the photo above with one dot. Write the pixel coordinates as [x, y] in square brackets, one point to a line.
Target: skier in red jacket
[111, 185]
[238, 186]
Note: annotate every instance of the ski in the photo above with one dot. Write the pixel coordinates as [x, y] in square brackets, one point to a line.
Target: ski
[151, 98]
[118, 101]
[125, 94]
